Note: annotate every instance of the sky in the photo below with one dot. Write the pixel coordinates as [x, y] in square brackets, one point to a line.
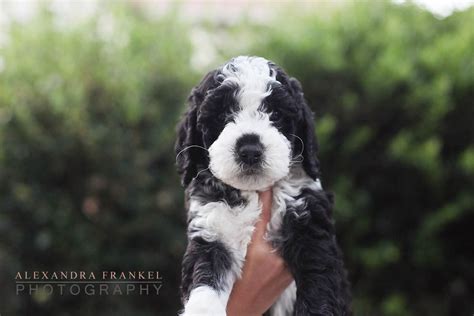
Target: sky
[23, 9]
[442, 8]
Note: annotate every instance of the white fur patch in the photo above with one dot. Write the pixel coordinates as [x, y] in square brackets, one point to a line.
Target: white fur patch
[252, 75]
[231, 225]
[276, 155]
[205, 301]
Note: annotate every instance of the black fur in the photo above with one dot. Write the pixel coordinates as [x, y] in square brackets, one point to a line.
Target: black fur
[306, 132]
[207, 188]
[289, 99]
[308, 245]
[191, 160]
[205, 263]
[307, 238]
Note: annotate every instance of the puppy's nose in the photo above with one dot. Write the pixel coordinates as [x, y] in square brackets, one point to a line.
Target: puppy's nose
[250, 154]
[249, 149]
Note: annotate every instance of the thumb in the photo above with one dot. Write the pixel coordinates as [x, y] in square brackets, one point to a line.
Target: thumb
[266, 214]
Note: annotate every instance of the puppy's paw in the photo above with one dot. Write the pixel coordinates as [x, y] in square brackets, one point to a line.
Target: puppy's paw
[204, 301]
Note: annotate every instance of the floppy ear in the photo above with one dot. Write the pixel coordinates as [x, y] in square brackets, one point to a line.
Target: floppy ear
[190, 160]
[305, 131]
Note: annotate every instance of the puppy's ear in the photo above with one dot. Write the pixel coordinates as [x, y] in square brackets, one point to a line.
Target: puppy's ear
[189, 157]
[305, 131]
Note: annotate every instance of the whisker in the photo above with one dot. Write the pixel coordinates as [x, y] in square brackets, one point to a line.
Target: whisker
[296, 161]
[188, 147]
[302, 146]
[197, 175]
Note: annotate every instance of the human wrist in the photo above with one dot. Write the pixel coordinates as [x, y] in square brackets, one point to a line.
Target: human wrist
[239, 310]
[241, 304]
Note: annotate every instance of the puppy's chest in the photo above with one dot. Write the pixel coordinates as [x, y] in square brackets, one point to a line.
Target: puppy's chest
[217, 213]
[232, 224]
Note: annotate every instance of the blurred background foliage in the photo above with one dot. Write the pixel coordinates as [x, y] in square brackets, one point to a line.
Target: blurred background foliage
[87, 117]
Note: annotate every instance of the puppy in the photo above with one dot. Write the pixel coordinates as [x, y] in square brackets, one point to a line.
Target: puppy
[248, 128]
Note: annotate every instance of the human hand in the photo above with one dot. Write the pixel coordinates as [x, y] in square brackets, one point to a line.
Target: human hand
[264, 275]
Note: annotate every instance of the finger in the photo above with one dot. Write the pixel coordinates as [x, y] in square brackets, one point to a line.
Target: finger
[266, 200]
[265, 216]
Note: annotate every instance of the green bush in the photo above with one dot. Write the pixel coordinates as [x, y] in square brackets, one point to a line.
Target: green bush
[87, 178]
[87, 123]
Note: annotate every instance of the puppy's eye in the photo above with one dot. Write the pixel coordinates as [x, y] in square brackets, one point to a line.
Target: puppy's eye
[276, 115]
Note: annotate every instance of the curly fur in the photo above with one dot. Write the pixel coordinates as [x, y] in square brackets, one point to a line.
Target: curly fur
[252, 96]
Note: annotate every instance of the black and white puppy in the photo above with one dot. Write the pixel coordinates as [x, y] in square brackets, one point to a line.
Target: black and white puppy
[248, 128]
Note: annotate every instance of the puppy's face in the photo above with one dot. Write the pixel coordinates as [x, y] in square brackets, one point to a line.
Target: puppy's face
[250, 133]
[251, 117]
